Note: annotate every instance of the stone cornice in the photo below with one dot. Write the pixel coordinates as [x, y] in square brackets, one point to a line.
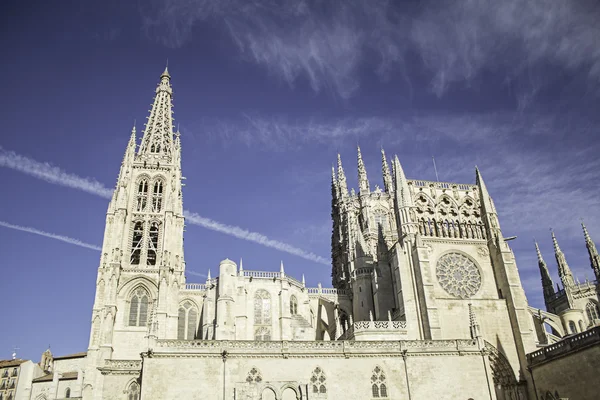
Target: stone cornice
[121, 367]
[313, 349]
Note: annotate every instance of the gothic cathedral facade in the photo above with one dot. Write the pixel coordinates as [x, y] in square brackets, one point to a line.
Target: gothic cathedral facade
[426, 301]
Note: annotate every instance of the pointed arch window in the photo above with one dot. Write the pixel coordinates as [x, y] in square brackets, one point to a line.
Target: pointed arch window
[187, 321]
[68, 393]
[157, 196]
[138, 308]
[572, 327]
[318, 382]
[133, 391]
[592, 312]
[153, 243]
[136, 243]
[262, 315]
[293, 305]
[378, 383]
[142, 197]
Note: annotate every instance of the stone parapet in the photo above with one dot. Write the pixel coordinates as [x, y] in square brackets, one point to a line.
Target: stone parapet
[568, 345]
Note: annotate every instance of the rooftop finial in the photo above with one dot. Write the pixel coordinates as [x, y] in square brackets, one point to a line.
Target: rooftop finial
[387, 177]
[363, 182]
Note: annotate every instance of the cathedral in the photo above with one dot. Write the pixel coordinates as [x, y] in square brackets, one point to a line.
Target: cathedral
[426, 300]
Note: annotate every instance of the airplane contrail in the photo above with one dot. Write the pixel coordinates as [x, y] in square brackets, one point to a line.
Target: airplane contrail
[55, 175]
[50, 235]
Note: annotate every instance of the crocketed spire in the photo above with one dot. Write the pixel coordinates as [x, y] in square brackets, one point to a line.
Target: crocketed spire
[158, 136]
[342, 184]
[564, 272]
[547, 284]
[363, 181]
[385, 170]
[592, 252]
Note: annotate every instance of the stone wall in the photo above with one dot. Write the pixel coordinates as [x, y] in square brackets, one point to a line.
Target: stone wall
[569, 367]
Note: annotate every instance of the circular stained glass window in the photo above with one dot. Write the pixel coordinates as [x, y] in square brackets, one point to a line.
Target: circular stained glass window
[458, 275]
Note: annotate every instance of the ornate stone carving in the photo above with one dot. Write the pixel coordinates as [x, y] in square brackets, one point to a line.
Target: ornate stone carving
[458, 275]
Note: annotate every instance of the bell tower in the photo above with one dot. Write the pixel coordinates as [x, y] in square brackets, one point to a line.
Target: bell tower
[142, 263]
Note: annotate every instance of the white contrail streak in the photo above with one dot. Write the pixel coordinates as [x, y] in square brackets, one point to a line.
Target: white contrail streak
[62, 238]
[57, 176]
[255, 237]
[51, 174]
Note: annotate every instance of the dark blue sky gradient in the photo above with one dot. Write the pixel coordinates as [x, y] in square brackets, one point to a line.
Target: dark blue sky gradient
[266, 93]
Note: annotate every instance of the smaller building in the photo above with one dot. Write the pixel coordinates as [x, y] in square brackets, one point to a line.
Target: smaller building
[61, 378]
[16, 376]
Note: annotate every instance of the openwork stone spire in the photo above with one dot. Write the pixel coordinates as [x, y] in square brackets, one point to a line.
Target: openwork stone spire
[387, 177]
[592, 251]
[363, 182]
[564, 272]
[547, 284]
[158, 136]
[334, 184]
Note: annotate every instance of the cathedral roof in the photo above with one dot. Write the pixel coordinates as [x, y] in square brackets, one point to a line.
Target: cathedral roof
[65, 377]
[74, 355]
[11, 363]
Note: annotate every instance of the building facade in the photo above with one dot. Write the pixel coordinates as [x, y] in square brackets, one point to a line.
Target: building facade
[426, 301]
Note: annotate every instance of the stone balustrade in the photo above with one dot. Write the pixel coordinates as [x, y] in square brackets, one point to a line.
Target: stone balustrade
[569, 344]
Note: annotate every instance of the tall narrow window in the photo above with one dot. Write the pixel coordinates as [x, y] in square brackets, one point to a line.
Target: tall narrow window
[138, 308]
[293, 305]
[157, 196]
[133, 392]
[262, 315]
[187, 321]
[592, 311]
[378, 383]
[153, 243]
[318, 382]
[142, 197]
[572, 327]
[68, 393]
[136, 243]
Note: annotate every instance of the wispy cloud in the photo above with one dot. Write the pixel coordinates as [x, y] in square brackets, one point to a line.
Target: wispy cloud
[52, 174]
[50, 235]
[280, 133]
[57, 176]
[328, 43]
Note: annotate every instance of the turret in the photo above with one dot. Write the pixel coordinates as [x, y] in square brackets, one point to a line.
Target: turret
[385, 170]
[547, 284]
[564, 272]
[404, 201]
[363, 181]
[592, 252]
[488, 210]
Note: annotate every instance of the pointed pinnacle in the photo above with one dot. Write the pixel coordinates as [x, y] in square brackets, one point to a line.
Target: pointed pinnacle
[539, 253]
[585, 233]
[166, 72]
[555, 243]
[281, 270]
[339, 165]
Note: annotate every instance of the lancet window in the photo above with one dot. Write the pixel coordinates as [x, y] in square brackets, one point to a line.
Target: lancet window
[318, 382]
[293, 305]
[157, 196]
[262, 315]
[378, 384]
[592, 311]
[68, 393]
[187, 321]
[153, 243]
[136, 243]
[142, 197]
[138, 308]
[572, 327]
[133, 391]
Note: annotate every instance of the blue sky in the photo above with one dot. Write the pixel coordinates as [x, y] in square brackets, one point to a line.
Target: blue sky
[266, 94]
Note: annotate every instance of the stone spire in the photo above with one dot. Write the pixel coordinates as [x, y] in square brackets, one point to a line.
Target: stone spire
[403, 198]
[387, 177]
[547, 284]
[473, 325]
[564, 272]
[488, 210]
[158, 136]
[342, 184]
[363, 182]
[334, 185]
[592, 251]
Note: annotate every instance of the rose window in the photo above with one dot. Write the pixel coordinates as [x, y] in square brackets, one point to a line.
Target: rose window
[458, 275]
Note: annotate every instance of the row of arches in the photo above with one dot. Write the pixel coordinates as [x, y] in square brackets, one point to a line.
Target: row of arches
[451, 228]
